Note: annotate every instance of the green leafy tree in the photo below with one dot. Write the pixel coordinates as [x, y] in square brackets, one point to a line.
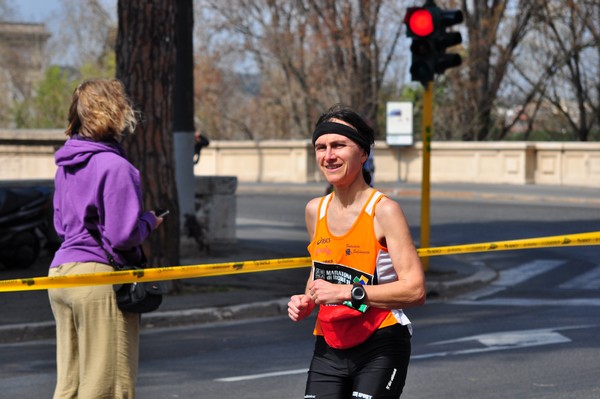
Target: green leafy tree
[48, 107]
[105, 68]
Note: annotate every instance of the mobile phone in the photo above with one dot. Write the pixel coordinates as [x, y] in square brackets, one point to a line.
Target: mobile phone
[160, 212]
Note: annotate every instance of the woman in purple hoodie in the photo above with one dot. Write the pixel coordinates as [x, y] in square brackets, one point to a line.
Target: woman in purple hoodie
[96, 190]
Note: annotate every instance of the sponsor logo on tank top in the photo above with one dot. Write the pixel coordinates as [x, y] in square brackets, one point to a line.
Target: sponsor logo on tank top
[323, 240]
[356, 249]
[326, 251]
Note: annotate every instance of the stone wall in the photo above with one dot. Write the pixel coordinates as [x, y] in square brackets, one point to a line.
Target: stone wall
[505, 162]
[28, 154]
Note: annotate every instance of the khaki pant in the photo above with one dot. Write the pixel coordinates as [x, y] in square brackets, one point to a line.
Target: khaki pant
[97, 345]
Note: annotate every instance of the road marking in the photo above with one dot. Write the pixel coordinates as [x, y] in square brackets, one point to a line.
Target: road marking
[262, 375]
[514, 276]
[586, 281]
[526, 271]
[507, 340]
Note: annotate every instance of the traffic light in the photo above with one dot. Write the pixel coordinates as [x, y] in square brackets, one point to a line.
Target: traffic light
[420, 27]
[427, 27]
[444, 39]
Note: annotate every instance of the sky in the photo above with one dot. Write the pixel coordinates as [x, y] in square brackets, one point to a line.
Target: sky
[49, 13]
[35, 10]
[40, 10]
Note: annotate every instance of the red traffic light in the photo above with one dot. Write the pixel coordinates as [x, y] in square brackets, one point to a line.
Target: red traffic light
[427, 26]
[420, 22]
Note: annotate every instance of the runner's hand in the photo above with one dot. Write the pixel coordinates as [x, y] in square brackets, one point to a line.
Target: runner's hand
[300, 306]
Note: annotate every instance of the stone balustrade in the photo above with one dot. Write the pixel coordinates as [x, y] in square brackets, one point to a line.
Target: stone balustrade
[28, 154]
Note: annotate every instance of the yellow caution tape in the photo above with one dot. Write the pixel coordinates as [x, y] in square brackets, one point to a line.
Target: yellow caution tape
[152, 274]
[220, 269]
[571, 240]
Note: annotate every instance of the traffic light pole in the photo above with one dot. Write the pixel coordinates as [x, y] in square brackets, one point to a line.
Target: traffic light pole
[425, 180]
[427, 27]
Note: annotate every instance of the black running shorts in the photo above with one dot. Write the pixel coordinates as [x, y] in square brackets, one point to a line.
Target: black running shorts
[375, 369]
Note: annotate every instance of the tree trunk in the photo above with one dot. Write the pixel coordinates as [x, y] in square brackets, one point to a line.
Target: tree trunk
[146, 64]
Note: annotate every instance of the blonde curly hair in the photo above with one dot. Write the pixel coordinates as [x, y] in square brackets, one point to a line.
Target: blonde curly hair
[101, 111]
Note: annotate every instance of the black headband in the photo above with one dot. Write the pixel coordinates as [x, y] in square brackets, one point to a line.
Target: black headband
[344, 130]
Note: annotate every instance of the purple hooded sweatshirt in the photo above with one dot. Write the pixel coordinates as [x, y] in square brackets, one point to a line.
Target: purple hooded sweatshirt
[96, 188]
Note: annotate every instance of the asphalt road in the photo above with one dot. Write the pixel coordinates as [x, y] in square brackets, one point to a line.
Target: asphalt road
[460, 350]
[533, 333]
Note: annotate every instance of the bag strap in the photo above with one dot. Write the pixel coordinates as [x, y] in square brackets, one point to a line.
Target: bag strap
[111, 260]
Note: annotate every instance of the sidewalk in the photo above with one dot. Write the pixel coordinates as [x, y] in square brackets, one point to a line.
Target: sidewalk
[27, 315]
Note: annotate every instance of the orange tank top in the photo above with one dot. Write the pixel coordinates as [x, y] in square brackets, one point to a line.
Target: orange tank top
[356, 256]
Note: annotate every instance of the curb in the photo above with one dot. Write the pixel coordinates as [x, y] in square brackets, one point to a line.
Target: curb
[27, 332]
[14, 333]
[173, 318]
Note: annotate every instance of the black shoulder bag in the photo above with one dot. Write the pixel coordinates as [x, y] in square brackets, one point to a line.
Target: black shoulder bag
[142, 297]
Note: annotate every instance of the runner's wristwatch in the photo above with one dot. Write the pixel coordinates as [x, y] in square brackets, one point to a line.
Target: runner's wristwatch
[358, 295]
